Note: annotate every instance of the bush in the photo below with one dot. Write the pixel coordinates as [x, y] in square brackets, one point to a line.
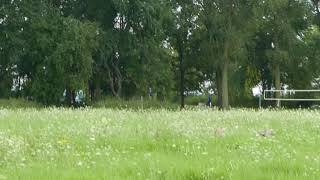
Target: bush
[134, 103]
[18, 103]
[196, 100]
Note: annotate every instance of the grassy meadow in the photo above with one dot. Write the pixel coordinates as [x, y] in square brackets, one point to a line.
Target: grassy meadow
[159, 144]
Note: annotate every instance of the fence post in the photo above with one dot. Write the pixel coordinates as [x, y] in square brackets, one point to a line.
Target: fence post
[260, 101]
[142, 102]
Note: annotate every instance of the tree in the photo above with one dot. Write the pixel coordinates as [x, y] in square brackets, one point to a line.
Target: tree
[282, 23]
[69, 65]
[184, 14]
[125, 48]
[131, 47]
[225, 33]
[12, 43]
[56, 52]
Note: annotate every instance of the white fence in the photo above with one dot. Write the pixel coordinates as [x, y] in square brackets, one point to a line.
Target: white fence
[286, 96]
[289, 92]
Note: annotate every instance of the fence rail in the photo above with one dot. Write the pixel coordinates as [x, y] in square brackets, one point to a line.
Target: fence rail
[290, 93]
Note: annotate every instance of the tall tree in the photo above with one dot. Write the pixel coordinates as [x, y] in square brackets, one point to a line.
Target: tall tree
[184, 14]
[131, 47]
[13, 21]
[56, 52]
[283, 22]
[225, 34]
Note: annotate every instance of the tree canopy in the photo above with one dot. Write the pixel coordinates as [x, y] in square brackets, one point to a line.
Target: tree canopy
[52, 50]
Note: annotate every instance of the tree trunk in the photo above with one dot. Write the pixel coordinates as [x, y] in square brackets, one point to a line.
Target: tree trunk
[219, 87]
[73, 97]
[182, 83]
[19, 87]
[224, 86]
[116, 91]
[277, 83]
[114, 79]
[92, 90]
[69, 97]
[225, 78]
[119, 81]
[317, 8]
[225, 64]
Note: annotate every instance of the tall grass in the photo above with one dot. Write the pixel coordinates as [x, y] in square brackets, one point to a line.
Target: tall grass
[159, 144]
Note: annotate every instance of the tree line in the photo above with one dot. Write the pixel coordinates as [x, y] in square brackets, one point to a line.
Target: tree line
[51, 49]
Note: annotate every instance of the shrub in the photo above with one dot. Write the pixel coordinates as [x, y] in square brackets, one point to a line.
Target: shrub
[18, 103]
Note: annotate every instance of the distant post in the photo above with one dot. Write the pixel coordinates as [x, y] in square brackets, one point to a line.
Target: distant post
[142, 102]
[260, 101]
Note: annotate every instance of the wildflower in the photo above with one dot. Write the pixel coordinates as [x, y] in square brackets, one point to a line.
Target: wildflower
[205, 153]
[62, 142]
[79, 163]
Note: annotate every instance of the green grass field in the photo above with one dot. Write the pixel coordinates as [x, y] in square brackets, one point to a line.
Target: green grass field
[159, 144]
